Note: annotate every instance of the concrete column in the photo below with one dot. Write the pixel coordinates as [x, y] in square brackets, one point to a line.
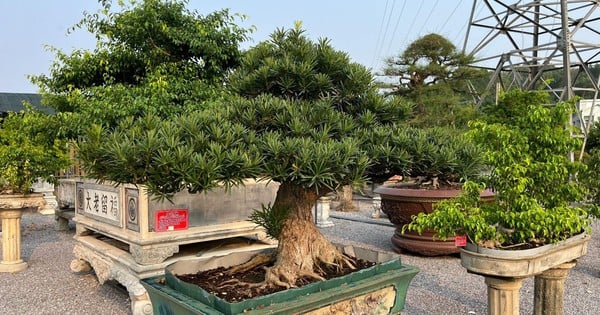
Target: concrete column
[549, 289]
[503, 295]
[11, 241]
[323, 208]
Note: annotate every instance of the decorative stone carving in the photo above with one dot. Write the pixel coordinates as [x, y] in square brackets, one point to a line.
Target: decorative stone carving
[377, 213]
[152, 255]
[80, 266]
[107, 270]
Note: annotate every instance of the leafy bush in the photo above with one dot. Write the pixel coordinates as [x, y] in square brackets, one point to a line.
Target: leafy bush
[538, 196]
[29, 151]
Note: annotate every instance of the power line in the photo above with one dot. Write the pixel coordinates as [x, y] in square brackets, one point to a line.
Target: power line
[387, 26]
[379, 34]
[413, 22]
[450, 16]
[428, 17]
[396, 27]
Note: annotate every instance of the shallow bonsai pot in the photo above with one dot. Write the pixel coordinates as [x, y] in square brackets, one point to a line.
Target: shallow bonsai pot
[380, 289]
[522, 263]
[400, 203]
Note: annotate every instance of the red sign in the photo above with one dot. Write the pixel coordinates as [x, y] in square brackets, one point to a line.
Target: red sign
[171, 220]
[460, 240]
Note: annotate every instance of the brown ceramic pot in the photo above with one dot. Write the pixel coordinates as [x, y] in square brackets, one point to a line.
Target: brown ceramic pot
[401, 203]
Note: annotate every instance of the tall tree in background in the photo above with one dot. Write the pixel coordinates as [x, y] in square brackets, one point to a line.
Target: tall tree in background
[152, 56]
[434, 75]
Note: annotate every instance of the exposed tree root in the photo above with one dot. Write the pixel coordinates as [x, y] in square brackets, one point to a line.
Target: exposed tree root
[260, 259]
[301, 248]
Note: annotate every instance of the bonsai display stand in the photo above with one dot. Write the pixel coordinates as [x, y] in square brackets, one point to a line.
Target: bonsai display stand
[111, 260]
[11, 211]
[11, 241]
[504, 271]
[125, 235]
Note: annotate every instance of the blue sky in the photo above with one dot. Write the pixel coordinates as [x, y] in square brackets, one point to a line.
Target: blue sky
[368, 31]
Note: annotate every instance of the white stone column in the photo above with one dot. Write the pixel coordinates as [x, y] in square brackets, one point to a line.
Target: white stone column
[11, 241]
[323, 208]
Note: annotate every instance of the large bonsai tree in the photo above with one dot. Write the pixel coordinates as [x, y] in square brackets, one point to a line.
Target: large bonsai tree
[300, 120]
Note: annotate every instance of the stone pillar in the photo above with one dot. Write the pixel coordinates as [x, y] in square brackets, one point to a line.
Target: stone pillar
[51, 203]
[377, 207]
[323, 208]
[503, 295]
[549, 289]
[11, 241]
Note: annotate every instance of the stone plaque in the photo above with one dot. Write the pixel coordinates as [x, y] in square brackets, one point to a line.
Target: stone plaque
[133, 209]
[100, 202]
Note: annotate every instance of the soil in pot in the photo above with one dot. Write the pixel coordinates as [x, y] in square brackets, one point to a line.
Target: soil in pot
[242, 285]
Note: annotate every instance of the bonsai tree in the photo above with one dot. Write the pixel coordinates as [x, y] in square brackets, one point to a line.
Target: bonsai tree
[526, 146]
[426, 158]
[29, 151]
[303, 127]
[434, 75]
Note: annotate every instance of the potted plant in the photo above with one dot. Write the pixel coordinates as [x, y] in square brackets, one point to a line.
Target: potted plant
[28, 152]
[295, 122]
[537, 224]
[433, 164]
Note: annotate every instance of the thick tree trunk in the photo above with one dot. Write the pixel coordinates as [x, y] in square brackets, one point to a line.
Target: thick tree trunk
[301, 245]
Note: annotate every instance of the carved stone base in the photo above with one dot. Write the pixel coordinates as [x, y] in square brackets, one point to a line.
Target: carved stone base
[152, 254]
[106, 269]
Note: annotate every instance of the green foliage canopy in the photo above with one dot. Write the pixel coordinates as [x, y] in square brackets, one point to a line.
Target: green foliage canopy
[433, 74]
[538, 195]
[152, 57]
[29, 151]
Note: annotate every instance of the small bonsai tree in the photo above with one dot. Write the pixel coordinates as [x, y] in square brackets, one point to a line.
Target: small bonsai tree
[29, 151]
[591, 158]
[526, 145]
[426, 158]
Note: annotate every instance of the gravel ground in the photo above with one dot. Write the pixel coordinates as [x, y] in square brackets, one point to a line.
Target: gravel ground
[442, 286]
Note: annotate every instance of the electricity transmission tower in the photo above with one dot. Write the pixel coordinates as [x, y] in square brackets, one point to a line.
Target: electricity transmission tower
[523, 41]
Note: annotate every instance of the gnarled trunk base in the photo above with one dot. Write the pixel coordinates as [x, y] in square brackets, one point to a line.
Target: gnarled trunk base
[301, 248]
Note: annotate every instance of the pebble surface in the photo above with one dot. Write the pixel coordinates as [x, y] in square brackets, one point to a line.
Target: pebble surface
[442, 286]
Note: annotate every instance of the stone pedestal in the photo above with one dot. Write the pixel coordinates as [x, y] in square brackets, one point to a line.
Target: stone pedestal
[549, 289]
[323, 208]
[47, 190]
[377, 213]
[503, 295]
[11, 241]
[549, 264]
